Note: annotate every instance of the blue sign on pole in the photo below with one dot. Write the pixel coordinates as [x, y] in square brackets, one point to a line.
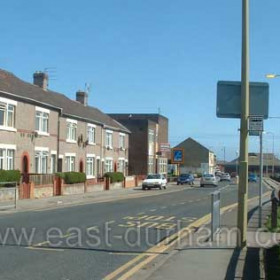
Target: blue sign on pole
[177, 155]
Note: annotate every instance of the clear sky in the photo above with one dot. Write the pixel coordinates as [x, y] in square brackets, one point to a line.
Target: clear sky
[146, 56]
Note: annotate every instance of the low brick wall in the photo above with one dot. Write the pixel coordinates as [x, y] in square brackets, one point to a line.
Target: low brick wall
[95, 187]
[116, 186]
[129, 182]
[68, 189]
[43, 191]
[8, 194]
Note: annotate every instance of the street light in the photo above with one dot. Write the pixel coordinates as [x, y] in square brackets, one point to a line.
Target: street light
[272, 76]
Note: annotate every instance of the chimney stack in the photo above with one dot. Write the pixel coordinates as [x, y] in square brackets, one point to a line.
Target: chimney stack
[41, 79]
[82, 97]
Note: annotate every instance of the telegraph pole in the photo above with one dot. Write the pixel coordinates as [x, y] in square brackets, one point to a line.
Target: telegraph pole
[243, 170]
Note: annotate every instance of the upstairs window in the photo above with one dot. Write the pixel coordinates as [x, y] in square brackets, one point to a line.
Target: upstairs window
[109, 139]
[71, 131]
[7, 115]
[91, 134]
[42, 121]
[122, 141]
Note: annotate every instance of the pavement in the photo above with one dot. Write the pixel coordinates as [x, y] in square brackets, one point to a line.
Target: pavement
[200, 258]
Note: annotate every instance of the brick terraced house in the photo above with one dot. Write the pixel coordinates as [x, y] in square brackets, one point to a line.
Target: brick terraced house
[42, 131]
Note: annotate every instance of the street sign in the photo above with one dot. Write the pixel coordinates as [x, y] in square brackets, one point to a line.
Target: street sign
[164, 147]
[255, 125]
[229, 99]
[177, 155]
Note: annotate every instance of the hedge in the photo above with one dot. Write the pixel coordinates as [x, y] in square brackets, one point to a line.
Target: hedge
[9, 176]
[72, 177]
[114, 176]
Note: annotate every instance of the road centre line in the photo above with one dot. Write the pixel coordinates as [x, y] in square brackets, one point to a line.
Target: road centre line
[137, 263]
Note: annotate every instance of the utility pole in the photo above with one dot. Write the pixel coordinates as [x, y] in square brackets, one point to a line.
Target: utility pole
[261, 178]
[243, 169]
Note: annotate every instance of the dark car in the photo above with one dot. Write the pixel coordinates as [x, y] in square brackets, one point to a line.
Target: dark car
[252, 178]
[185, 179]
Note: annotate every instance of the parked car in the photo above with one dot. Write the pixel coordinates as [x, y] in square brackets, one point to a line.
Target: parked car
[154, 181]
[225, 177]
[185, 179]
[208, 179]
[252, 178]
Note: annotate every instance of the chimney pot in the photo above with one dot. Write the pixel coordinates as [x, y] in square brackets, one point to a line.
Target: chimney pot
[82, 97]
[41, 79]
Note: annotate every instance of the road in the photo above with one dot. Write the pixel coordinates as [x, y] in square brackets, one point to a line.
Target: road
[92, 241]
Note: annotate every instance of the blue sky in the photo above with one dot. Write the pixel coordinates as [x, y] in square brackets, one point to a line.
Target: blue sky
[149, 55]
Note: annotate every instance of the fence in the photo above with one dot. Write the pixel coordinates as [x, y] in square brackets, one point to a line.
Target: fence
[8, 195]
[41, 179]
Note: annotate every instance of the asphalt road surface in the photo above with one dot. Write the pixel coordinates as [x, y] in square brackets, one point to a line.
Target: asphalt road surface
[91, 241]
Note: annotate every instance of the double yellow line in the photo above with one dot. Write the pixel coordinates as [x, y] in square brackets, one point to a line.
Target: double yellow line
[133, 266]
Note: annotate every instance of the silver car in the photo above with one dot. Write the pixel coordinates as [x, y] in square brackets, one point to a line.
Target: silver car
[208, 179]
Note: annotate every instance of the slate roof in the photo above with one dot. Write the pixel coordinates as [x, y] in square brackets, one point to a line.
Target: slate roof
[254, 159]
[10, 84]
[193, 142]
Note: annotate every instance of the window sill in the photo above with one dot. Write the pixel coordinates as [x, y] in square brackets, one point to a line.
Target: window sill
[109, 148]
[90, 177]
[42, 133]
[71, 141]
[92, 144]
[2, 127]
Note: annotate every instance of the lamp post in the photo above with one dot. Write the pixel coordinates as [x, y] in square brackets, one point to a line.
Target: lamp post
[243, 164]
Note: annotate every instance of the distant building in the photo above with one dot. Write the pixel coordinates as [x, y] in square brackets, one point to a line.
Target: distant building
[197, 158]
[148, 142]
[271, 164]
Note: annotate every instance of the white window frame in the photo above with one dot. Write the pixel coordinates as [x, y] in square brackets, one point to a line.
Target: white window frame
[109, 139]
[42, 156]
[121, 165]
[43, 115]
[122, 141]
[109, 165]
[71, 131]
[90, 172]
[6, 103]
[7, 162]
[70, 162]
[91, 129]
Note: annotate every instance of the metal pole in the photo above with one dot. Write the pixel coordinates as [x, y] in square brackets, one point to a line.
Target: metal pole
[261, 179]
[273, 155]
[243, 165]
